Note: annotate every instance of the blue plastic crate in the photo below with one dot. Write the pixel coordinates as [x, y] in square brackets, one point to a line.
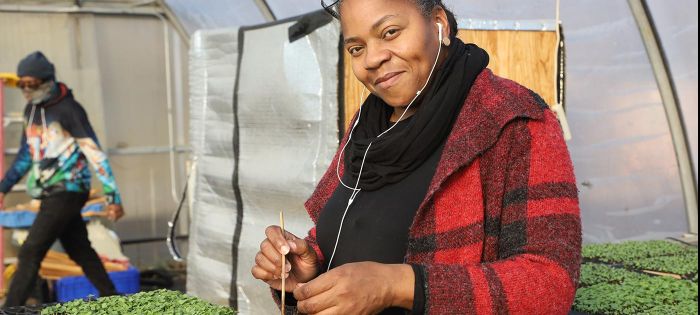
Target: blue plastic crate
[79, 287]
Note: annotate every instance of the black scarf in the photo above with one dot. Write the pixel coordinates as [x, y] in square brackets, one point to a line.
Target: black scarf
[396, 154]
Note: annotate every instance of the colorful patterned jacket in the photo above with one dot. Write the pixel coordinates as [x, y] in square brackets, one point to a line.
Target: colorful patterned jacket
[57, 144]
[499, 230]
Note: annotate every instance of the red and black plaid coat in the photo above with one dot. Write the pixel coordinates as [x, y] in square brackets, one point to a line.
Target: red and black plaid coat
[499, 230]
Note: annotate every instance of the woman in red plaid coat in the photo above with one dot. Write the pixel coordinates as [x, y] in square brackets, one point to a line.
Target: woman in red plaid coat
[453, 193]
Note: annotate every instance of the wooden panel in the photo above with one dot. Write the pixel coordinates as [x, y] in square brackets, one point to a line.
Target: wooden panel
[526, 57]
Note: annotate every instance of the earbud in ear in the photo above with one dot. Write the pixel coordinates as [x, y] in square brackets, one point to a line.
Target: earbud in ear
[446, 40]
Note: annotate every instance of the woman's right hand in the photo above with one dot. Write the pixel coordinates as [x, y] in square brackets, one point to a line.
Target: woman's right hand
[302, 263]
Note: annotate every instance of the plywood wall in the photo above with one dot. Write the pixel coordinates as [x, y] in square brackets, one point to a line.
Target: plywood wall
[527, 57]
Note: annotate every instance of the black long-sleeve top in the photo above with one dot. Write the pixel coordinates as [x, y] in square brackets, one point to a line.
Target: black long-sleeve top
[377, 223]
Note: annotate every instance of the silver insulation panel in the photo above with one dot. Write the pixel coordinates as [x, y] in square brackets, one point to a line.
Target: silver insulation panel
[213, 64]
[286, 108]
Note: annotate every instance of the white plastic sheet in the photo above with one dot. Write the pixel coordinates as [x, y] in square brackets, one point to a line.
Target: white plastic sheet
[622, 150]
[215, 14]
[213, 63]
[285, 106]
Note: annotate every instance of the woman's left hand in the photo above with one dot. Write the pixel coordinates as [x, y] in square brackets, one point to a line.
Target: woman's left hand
[357, 288]
[115, 212]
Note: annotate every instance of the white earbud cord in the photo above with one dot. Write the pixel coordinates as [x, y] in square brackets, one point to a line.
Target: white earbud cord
[352, 198]
[340, 157]
[355, 190]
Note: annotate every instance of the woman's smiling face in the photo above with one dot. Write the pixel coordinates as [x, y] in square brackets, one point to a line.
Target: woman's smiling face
[393, 45]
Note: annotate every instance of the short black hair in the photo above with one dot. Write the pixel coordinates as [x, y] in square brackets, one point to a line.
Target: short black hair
[425, 6]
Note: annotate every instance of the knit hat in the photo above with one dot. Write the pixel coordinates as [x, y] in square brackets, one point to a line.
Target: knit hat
[36, 65]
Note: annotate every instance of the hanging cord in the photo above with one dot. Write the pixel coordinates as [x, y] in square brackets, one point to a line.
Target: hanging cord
[557, 49]
[170, 240]
[31, 118]
[559, 53]
[558, 106]
[352, 198]
[45, 130]
[342, 151]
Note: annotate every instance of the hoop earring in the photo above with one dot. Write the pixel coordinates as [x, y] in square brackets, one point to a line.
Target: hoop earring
[446, 41]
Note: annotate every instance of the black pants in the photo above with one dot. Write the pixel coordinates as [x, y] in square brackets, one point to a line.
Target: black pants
[58, 218]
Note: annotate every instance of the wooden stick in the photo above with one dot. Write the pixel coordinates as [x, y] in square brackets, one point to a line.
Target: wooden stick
[283, 263]
[663, 274]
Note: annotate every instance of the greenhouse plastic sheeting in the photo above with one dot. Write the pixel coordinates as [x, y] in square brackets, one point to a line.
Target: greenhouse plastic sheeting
[215, 14]
[623, 154]
[622, 149]
[285, 8]
[286, 110]
[677, 26]
[213, 63]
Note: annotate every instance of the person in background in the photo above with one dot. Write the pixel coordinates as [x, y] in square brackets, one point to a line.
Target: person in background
[57, 145]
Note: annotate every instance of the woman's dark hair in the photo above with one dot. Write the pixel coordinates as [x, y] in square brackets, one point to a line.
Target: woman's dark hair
[425, 6]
